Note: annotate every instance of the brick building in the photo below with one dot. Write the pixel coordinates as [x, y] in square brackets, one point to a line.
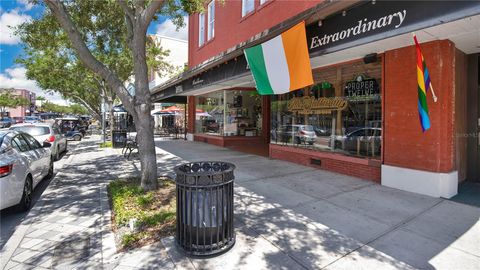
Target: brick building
[361, 53]
[22, 111]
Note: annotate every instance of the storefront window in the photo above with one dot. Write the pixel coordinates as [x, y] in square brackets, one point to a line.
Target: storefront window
[209, 115]
[341, 112]
[229, 113]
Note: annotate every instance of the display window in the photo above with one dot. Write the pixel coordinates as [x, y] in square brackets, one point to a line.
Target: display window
[341, 112]
[229, 113]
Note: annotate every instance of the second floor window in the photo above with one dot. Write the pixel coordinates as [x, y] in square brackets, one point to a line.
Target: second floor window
[211, 20]
[201, 29]
[247, 6]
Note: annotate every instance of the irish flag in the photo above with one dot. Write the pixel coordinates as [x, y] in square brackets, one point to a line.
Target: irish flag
[281, 64]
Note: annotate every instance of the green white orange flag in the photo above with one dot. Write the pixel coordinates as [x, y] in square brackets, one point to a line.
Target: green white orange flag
[281, 64]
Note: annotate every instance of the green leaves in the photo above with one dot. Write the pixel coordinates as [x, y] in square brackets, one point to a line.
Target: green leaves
[9, 100]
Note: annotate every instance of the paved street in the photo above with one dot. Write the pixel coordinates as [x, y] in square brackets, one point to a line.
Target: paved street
[10, 218]
[287, 217]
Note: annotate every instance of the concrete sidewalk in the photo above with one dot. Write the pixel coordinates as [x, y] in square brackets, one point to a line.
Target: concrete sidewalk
[294, 217]
[287, 217]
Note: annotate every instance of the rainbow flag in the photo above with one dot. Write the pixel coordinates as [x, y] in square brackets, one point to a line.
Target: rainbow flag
[423, 79]
[281, 64]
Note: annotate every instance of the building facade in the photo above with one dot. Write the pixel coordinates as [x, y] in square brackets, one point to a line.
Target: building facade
[360, 115]
[21, 111]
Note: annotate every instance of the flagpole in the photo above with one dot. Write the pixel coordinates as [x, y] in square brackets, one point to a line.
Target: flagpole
[433, 93]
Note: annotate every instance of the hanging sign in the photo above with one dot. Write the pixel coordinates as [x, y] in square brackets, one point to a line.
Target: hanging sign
[362, 87]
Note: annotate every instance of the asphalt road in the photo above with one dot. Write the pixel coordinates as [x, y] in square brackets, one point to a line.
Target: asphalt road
[10, 217]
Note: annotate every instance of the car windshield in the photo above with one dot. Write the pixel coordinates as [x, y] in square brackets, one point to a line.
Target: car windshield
[31, 118]
[33, 130]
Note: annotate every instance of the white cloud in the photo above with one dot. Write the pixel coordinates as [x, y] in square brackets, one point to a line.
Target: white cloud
[27, 5]
[15, 77]
[8, 20]
[168, 29]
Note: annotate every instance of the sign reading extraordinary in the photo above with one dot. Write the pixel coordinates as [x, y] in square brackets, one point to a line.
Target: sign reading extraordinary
[371, 21]
[396, 19]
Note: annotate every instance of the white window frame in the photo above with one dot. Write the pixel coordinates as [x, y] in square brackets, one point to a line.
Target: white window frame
[263, 2]
[245, 6]
[201, 29]
[211, 20]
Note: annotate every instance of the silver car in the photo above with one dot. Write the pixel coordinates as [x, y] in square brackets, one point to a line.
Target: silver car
[45, 132]
[24, 162]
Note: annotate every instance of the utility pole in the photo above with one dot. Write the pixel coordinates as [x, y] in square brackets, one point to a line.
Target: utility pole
[104, 109]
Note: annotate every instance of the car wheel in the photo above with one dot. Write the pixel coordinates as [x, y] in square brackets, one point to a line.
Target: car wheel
[77, 137]
[26, 202]
[66, 146]
[57, 154]
[50, 170]
[310, 143]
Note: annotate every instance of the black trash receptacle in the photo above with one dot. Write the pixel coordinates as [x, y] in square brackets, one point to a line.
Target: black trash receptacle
[119, 138]
[205, 207]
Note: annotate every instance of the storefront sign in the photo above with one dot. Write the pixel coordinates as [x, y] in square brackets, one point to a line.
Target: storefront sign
[311, 105]
[197, 81]
[361, 87]
[178, 89]
[368, 22]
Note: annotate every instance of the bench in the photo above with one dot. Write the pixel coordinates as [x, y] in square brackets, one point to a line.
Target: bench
[130, 145]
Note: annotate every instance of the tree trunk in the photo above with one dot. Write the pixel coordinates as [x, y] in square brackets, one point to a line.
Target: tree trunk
[146, 150]
[112, 119]
[144, 122]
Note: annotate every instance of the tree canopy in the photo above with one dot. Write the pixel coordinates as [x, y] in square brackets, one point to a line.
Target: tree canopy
[91, 28]
[50, 59]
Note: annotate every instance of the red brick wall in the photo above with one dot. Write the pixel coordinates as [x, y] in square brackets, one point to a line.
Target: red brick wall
[231, 29]
[405, 144]
[362, 168]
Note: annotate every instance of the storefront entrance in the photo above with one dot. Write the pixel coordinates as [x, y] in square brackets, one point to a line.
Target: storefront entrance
[469, 190]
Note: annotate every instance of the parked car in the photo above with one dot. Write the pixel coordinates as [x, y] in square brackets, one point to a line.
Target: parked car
[299, 133]
[6, 122]
[364, 140]
[24, 162]
[32, 119]
[44, 132]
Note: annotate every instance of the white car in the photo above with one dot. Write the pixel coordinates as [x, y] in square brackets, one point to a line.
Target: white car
[24, 162]
[45, 132]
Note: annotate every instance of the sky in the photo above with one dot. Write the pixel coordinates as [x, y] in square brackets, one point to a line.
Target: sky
[15, 12]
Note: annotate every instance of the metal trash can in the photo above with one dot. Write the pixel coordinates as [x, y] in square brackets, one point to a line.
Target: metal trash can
[119, 138]
[205, 207]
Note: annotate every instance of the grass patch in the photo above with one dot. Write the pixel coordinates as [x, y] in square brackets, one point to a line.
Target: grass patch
[106, 144]
[155, 212]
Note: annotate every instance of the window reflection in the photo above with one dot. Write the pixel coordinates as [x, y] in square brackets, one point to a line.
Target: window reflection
[341, 112]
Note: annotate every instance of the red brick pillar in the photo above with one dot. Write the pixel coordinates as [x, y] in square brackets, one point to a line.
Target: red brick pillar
[419, 161]
[191, 115]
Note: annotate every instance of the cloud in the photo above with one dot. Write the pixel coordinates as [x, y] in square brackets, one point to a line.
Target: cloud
[7, 21]
[15, 77]
[27, 5]
[168, 29]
